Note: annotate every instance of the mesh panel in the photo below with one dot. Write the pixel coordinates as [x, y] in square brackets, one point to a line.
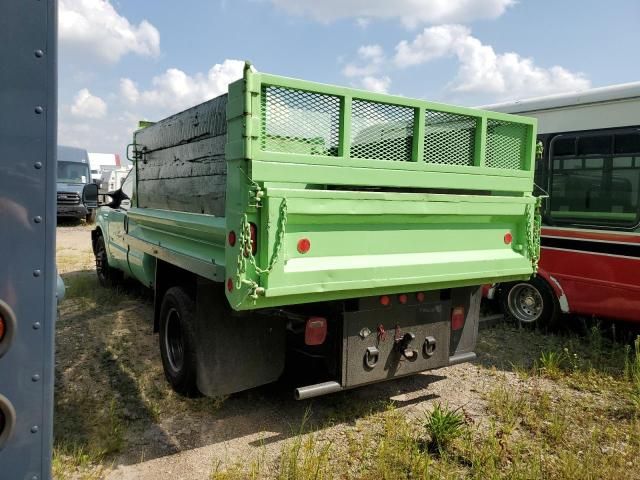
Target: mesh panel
[506, 143]
[380, 131]
[296, 121]
[449, 138]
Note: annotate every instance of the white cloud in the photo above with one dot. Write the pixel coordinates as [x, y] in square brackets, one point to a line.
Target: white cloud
[482, 70]
[365, 71]
[175, 89]
[95, 27]
[168, 93]
[86, 105]
[109, 134]
[370, 59]
[376, 84]
[410, 12]
[432, 43]
[129, 90]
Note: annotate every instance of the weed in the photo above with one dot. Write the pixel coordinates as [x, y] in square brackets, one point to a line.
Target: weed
[398, 453]
[550, 364]
[632, 372]
[443, 426]
[506, 405]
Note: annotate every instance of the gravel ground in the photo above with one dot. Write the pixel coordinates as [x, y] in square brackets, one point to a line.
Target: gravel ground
[111, 396]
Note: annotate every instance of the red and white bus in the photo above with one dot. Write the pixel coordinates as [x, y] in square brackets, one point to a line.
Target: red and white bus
[590, 258]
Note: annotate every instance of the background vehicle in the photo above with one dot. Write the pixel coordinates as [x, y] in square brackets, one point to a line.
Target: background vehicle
[590, 259]
[73, 175]
[351, 227]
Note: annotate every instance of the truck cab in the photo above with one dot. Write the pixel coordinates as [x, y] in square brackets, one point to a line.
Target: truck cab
[72, 175]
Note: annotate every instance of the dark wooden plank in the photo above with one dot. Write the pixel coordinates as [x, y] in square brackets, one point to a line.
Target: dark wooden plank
[204, 194]
[205, 120]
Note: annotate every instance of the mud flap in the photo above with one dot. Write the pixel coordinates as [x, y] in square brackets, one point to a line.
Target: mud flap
[235, 351]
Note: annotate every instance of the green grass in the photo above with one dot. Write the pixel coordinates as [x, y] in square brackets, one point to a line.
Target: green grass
[545, 421]
[632, 372]
[443, 426]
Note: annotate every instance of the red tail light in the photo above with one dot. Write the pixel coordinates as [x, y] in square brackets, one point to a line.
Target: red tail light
[230, 285]
[254, 238]
[304, 245]
[232, 238]
[403, 298]
[457, 318]
[508, 238]
[315, 332]
[385, 301]
[420, 296]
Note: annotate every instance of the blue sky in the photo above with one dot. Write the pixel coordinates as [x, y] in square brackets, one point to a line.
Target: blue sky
[125, 60]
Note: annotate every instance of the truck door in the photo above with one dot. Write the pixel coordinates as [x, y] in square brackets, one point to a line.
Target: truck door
[118, 223]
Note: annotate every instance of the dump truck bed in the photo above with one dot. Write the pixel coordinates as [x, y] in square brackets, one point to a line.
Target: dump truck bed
[324, 193]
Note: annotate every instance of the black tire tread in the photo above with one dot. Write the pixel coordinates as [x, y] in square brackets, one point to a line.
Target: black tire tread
[112, 276]
[186, 382]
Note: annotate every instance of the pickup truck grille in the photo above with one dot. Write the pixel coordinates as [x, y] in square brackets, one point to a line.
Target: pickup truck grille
[68, 198]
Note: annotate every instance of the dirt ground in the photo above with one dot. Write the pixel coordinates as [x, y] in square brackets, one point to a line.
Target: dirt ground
[117, 418]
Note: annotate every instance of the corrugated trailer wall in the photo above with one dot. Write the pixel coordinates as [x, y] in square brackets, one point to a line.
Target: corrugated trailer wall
[182, 165]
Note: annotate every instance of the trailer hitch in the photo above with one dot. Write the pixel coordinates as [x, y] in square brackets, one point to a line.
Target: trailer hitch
[402, 346]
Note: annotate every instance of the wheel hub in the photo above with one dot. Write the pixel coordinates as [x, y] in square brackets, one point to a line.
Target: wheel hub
[525, 303]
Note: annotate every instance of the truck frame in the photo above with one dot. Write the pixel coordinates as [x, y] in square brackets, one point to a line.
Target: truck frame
[301, 222]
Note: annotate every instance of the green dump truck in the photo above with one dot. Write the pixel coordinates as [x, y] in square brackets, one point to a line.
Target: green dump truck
[339, 230]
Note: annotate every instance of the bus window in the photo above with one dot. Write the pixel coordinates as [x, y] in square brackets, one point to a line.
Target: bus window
[595, 145]
[564, 146]
[594, 186]
[625, 186]
[627, 143]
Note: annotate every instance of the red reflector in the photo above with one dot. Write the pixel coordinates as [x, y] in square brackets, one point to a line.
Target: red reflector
[230, 285]
[403, 298]
[2, 328]
[254, 238]
[232, 238]
[457, 318]
[315, 332]
[304, 245]
[385, 300]
[420, 296]
[508, 238]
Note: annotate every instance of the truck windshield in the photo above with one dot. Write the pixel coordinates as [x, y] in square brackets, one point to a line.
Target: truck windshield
[73, 172]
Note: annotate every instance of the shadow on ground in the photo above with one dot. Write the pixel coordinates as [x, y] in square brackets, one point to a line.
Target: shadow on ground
[112, 399]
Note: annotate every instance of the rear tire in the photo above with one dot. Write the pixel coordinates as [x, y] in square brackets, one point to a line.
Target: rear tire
[177, 341]
[107, 275]
[531, 304]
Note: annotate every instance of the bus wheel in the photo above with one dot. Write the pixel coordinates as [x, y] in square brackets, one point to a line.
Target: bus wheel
[107, 275]
[177, 341]
[530, 303]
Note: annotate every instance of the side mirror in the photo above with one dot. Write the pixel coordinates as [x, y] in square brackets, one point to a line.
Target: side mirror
[90, 195]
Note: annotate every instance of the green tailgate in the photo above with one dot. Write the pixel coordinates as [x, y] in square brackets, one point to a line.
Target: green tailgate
[392, 194]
